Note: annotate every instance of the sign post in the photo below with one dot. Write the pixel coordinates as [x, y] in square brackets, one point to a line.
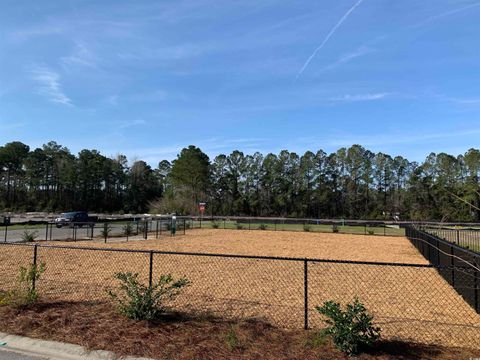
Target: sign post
[201, 208]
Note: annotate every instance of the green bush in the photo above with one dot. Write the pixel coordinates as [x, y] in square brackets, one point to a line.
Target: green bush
[307, 228]
[335, 228]
[371, 232]
[215, 225]
[263, 227]
[351, 329]
[139, 302]
[24, 292]
[239, 226]
[107, 229]
[128, 230]
[29, 236]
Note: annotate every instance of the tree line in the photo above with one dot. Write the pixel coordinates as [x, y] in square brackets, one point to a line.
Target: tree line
[351, 183]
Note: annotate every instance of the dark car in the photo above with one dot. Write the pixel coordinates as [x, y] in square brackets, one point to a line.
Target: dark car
[78, 218]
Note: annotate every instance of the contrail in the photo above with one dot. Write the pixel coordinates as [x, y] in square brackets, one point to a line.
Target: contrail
[329, 35]
[448, 13]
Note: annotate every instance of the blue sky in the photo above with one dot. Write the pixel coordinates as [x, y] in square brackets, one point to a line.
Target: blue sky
[146, 78]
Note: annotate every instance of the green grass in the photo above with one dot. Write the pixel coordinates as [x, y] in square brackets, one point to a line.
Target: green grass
[230, 224]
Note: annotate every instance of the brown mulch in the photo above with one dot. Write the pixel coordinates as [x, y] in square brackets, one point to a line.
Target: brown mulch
[98, 326]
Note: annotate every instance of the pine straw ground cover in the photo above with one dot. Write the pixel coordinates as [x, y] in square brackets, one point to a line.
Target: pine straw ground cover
[409, 303]
[97, 326]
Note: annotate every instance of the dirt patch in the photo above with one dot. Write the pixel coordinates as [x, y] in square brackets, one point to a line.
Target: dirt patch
[409, 303]
[97, 326]
[277, 243]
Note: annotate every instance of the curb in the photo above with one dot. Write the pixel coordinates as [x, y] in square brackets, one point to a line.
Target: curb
[54, 350]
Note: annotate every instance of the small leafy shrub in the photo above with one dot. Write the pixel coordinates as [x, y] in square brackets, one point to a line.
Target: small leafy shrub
[139, 302]
[307, 228]
[351, 329]
[263, 227]
[128, 230]
[371, 232]
[29, 236]
[239, 226]
[188, 225]
[24, 293]
[215, 225]
[107, 229]
[335, 228]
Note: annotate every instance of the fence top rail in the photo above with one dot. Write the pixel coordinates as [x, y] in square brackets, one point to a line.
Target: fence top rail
[235, 256]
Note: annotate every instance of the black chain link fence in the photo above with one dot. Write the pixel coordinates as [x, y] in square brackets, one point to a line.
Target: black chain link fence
[468, 238]
[409, 302]
[108, 231]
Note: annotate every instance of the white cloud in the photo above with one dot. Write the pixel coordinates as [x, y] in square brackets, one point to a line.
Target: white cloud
[361, 51]
[50, 86]
[127, 124]
[81, 55]
[382, 140]
[360, 97]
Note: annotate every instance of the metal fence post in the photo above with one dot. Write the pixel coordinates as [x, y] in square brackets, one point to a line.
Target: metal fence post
[150, 272]
[105, 231]
[156, 230]
[35, 248]
[184, 226]
[305, 294]
[452, 262]
[160, 226]
[476, 285]
[6, 232]
[145, 230]
[46, 232]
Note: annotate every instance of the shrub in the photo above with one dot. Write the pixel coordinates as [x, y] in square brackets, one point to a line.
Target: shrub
[107, 229]
[307, 228]
[231, 339]
[371, 232]
[351, 329]
[188, 225]
[128, 230]
[140, 302]
[239, 226]
[335, 228]
[24, 292]
[215, 225]
[263, 227]
[29, 236]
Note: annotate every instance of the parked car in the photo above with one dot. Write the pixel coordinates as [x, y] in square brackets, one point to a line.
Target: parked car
[78, 218]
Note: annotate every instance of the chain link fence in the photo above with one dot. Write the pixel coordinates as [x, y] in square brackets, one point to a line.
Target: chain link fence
[409, 302]
[468, 238]
[108, 231]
